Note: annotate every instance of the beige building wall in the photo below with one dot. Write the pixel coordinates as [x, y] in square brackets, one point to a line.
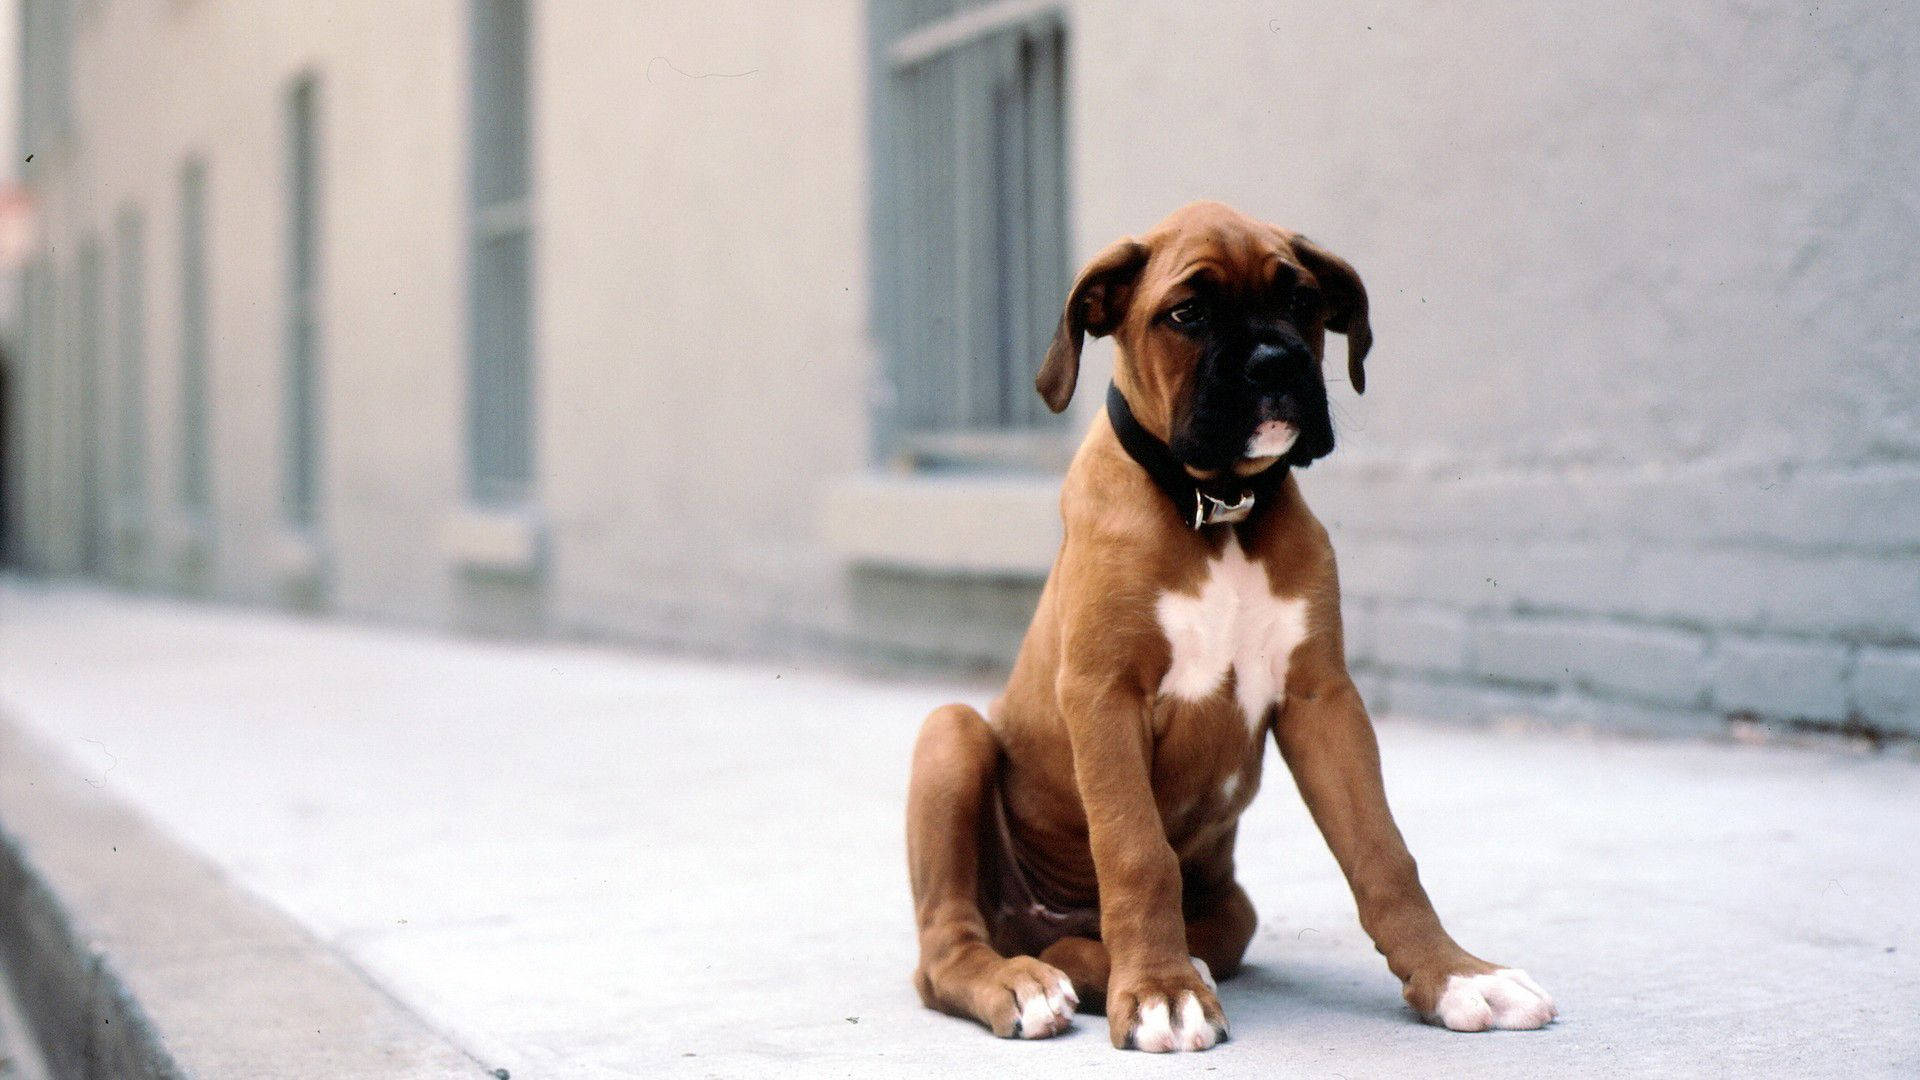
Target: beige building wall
[9, 160]
[699, 306]
[156, 84]
[699, 202]
[703, 289]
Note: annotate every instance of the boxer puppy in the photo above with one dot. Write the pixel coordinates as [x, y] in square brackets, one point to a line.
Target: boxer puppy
[1075, 849]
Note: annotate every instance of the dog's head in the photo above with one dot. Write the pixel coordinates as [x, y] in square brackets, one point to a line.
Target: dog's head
[1221, 322]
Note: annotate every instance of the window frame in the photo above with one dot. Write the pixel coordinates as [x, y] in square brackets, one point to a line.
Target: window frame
[130, 350]
[960, 393]
[303, 437]
[88, 315]
[500, 271]
[195, 491]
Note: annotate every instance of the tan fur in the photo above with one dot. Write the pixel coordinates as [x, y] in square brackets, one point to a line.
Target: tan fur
[1113, 792]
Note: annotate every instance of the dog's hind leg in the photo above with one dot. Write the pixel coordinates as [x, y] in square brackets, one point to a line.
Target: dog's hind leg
[1085, 962]
[954, 765]
[1220, 930]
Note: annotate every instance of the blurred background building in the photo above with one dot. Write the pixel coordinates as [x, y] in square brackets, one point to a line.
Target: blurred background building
[713, 325]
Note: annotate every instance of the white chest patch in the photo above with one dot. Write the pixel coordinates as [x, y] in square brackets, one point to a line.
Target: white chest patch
[1235, 624]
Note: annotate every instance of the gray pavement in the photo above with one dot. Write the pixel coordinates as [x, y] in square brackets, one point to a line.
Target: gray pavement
[582, 863]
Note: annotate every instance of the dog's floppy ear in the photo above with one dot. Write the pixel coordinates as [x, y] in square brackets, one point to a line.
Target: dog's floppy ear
[1346, 303]
[1095, 306]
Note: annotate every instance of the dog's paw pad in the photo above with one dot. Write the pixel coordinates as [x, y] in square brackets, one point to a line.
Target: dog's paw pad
[1508, 999]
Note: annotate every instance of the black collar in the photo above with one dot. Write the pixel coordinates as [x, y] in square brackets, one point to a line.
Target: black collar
[1224, 500]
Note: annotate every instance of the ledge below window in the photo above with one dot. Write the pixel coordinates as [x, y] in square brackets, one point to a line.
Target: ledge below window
[297, 560]
[983, 525]
[494, 541]
[184, 541]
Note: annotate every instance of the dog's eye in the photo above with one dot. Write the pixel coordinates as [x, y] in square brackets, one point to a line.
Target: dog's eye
[1186, 313]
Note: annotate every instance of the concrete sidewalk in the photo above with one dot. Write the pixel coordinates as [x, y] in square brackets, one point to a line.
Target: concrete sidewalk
[581, 863]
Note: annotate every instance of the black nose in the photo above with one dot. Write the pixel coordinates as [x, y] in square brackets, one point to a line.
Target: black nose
[1266, 363]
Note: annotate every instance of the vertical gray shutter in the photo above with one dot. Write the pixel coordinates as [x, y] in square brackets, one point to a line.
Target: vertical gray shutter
[195, 485]
[500, 258]
[302, 447]
[969, 211]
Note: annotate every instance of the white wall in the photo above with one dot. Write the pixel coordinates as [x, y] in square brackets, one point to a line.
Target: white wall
[9, 159]
[9, 88]
[702, 274]
[700, 301]
[155, 83]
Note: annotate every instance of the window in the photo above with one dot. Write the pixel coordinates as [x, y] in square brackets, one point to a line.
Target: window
[130, 313]
[37, 404]
[87, 325]
[46, 60]
[970, 216]
[302, 433]
[499, 268]
[195, 488]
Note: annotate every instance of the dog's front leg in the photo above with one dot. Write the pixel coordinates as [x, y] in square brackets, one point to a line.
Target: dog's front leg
[1156, 999]
[1327, 740]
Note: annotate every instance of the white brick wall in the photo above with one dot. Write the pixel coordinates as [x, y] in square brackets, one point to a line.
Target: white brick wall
[1885, 688]
[1642, 440]
[1641, 445]
[1709, 622]
[1646, 664]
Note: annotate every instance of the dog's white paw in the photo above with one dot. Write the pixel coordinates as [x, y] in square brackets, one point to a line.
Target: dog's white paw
[1018, 998]
[1162, 1016]
[1163, 1029]
[1508, 999]
[1046, 1003]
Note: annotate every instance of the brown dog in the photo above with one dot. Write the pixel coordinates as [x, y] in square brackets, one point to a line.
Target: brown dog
[1077, 848]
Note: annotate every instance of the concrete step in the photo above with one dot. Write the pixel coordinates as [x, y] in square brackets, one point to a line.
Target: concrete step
[134, 958]
[20, 1056]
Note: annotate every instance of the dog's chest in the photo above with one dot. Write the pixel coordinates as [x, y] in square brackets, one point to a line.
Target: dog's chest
[1234, 624]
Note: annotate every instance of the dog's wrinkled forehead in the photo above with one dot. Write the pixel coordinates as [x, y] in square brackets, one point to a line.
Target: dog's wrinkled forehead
[1216, 245]
[1128, 285]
